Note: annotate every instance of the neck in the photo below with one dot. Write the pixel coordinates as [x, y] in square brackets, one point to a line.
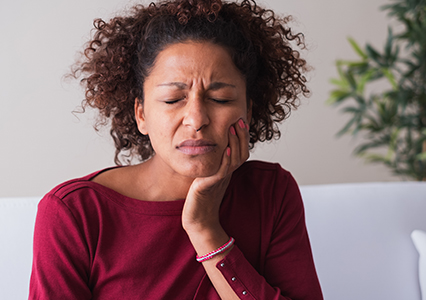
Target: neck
[160, 184]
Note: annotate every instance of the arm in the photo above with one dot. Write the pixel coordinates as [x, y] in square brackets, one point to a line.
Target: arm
[288, 270]
[286, 262]
[200, 216]
[59, 256]
[231, 274]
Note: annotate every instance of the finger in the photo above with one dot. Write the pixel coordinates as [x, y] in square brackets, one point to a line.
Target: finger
[224, 165]
[244, 138]
[234, 145]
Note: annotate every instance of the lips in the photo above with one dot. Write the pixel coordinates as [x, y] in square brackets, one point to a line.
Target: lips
[196, 147]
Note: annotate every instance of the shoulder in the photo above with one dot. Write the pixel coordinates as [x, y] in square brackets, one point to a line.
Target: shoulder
[267, 184]
[261, 171]
[75, 202]
[264, 180]
[76, 187]
[266, 193]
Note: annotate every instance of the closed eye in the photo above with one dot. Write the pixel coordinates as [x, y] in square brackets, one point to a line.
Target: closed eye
[173, 101]
[220, 101]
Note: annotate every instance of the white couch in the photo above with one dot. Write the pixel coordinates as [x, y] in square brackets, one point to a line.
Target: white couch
[361, 238]
[360, 235]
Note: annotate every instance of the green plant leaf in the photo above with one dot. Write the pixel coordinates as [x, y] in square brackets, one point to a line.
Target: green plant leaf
[372, 124]
[337, 96]
[341, 83]
[351, 80]
[351, 109]
[365, 78]
[352, 64]
[394, 56]
[374, 55]
[392, 144]
[388, 46]
[346, 128]
[377, 158]
[391, 78]
[357, 49]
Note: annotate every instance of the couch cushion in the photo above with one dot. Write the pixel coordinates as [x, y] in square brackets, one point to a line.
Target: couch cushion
[17, 217]
[419, 239]
[360, 235]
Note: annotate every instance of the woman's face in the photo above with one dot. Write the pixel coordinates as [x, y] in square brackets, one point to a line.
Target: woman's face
[192, 96]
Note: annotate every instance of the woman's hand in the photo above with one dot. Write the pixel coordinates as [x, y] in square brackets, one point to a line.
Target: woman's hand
[200, 216]
[201, 210]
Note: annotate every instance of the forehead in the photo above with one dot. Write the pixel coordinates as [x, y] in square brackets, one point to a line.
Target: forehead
[195, 61]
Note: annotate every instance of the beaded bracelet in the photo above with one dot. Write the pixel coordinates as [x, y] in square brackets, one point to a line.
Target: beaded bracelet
[216, 252]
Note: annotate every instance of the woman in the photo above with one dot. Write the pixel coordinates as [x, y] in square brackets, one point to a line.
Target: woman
[189, 86]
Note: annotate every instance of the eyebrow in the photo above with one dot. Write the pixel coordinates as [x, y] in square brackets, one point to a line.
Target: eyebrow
[214, 86]
[179, 85]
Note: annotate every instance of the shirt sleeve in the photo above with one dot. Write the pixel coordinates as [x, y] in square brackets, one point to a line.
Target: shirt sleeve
[289, 272]
[60, 256]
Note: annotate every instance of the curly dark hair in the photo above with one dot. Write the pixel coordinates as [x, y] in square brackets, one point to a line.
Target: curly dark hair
[121, 53]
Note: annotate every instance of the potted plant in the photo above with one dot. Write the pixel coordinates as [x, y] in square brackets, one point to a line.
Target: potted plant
[393, 120]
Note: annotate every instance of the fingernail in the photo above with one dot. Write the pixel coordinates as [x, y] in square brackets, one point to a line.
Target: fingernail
[232, 130]
[241, 123]
[228, 151]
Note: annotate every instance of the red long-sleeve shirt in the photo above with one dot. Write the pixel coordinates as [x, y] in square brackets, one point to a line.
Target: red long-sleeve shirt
[91, 242]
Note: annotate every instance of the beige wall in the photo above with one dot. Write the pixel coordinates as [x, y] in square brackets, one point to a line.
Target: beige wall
[42, 143]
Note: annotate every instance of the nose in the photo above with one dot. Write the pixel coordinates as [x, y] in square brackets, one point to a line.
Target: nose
[196, 113]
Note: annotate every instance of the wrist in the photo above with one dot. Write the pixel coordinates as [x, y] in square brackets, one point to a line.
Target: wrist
[221, 250]
[204, 227]
[208, 240]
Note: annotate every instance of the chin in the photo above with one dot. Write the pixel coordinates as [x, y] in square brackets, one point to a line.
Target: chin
[200, 170]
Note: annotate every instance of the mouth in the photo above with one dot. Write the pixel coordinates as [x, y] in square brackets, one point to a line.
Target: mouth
[196, 147]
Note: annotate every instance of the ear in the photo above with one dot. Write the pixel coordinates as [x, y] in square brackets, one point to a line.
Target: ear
[249, 111]
[140, 118]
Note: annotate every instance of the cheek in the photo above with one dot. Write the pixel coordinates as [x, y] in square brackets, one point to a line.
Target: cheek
[229, 119]
[160, 123]
[157, 133]
[233, 116]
